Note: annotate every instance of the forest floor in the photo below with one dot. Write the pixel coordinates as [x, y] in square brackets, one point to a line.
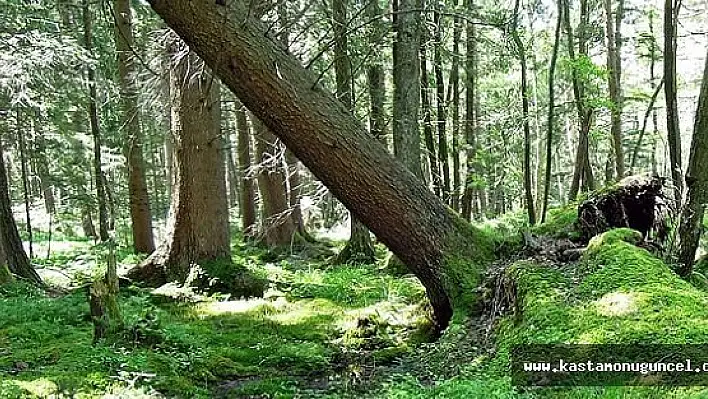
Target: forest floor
[325, 331]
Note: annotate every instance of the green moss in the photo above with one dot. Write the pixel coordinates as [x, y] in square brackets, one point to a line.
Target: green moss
[560, 222]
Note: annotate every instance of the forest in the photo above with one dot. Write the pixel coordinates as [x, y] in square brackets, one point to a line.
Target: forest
[353, 198]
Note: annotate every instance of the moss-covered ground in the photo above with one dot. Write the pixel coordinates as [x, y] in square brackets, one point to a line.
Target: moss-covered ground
[324, 331]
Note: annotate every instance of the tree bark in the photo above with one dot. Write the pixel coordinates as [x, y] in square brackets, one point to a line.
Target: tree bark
[440, 248]
[198, 227]
[470, 108]
[17, 260]
[43, 165]
[614, 80]
[406, 85]
[95, 128]
[359, 247]
[428, 124]
[691, 225]
[672, 115]
[248, 187]
[550, 127]
[25, 180]
[140, 215]
[455, 89]
[278, 228]
[528, 184]
[441, 106]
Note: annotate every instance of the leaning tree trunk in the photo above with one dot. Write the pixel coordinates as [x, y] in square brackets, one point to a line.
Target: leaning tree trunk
[439, 247]
[140, 215]
[198, 227]
[696, 184]
[17, 260]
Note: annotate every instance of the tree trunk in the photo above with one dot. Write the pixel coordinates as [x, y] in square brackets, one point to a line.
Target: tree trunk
[406, 85]
[428, 124]
[248, 187]
[25, 179]
[277, 223]
[528, 184]
[440, 248]
[455, 89]
[43, 165]
[17, 260]
[470, 122]
[198, 227]
[696, 184]
[359, 247]
[614, 78]
[551, 111]
[140, 215]
[95, 129]
[671, 10]
[231, 172]
[442, 108]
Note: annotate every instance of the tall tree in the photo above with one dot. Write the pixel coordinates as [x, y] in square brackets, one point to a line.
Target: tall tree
[550, 126]
[101, 194]
[406, 84]
[427, 112]
[470, 108]
[16, 257]
[198, 227]
[440, 101]
[247, 186]
[691, 225]
[140, 215]
[614, 78]
[359, 247]
[440, 248]
[671, 11]
[455, 93]
[521, 49]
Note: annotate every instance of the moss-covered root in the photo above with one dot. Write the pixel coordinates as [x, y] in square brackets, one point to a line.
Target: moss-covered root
[5, 275]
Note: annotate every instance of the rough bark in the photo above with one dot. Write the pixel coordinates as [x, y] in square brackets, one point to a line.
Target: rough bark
[670, 92]
[406, 85]
[247, 186]
[323, 134]
[528, 184]
[198, 227]
[614, 79]
[550, 127]
[470, 120]
[441, 106]
[428, 124]
[140, 215]
[95, 128]
[17, 260]
[455, 90]
[691, 225]
[278, 228]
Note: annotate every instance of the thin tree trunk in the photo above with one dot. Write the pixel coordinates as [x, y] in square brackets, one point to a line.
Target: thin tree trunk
[649, 110]
[95, 129]
[140, 215]
[25, 179]
[442, 107]
[528, 184]
[691, 225]
[248, 188]
[43, 165]
[324, 135]
[428, 124]
[470, 119]
[670, 92]
[551, 112]
[231, 171]
[614, 77]
[455, 88]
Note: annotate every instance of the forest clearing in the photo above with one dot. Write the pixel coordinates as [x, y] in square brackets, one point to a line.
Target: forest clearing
[353, 198]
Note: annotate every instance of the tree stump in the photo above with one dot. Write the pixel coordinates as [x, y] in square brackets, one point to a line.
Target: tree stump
[636, 202]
